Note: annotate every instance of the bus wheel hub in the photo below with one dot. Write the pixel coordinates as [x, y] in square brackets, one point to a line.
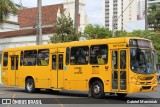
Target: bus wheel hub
[96, 89]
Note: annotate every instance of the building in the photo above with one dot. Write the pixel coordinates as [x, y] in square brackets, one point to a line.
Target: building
[23, 28]
[27, 20]
[140, 9]
[69, 6]
[11, 23]
[118, 13]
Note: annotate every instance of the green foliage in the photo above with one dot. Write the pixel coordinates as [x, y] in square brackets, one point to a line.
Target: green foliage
[120, 33]
[65, 31]
[154, 16]
[97, 32]
[6, 7]
[155, 37]
[140, 33]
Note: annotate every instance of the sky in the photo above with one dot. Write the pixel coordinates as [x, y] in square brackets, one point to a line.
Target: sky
[93, 8]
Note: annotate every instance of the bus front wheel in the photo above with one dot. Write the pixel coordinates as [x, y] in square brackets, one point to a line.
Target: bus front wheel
[30, 85]
[97, 90]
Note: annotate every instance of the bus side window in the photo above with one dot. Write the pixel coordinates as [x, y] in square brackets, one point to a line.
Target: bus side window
[5, 59]
[43, 57]
[99, 54]
[30, 58]
[79, 55]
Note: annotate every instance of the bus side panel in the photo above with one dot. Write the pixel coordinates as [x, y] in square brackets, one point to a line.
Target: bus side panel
[103, 72]
[39, 74]
[75, 77]
[5, 76]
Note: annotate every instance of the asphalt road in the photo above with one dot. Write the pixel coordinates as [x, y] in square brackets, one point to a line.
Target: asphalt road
[78, 99]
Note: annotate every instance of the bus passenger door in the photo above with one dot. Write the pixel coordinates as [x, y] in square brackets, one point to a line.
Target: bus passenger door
[119, 62]
[14, 68]
[57, 71]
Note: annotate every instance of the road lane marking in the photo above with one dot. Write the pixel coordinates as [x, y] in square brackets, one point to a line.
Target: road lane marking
[59, 102]
[13, 95]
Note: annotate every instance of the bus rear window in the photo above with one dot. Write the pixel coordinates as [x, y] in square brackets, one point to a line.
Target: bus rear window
[5, 59]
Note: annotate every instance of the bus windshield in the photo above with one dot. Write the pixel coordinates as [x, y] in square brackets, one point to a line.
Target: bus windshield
[142, 61]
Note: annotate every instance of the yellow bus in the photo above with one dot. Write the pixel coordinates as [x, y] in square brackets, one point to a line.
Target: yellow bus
[115, 65]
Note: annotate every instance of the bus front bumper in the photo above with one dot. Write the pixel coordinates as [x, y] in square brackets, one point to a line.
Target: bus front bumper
[135, 88]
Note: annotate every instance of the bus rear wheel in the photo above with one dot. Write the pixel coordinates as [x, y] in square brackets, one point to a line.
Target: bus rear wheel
[97, 90]
[30, 85]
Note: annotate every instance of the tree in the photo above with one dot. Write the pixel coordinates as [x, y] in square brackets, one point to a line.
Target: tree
[154, 16]
[6, 7]
[120, 33]
[65, 31]
[97, 32]
[140, 33]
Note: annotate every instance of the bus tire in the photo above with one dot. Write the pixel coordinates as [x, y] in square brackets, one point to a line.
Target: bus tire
[30, 85]
[97, 90]
[121, 95]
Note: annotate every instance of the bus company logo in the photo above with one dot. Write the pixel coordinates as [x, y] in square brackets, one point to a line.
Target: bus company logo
[6, 101]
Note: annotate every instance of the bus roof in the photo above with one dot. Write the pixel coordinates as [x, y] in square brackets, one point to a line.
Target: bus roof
[76, 43]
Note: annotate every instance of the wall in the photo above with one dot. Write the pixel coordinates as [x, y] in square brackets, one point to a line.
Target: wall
[69, 5]
[10, 26]
[21, 41]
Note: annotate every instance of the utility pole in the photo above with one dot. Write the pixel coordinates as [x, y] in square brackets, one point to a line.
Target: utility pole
[146, 18]
[39, 27]
[76, 15]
